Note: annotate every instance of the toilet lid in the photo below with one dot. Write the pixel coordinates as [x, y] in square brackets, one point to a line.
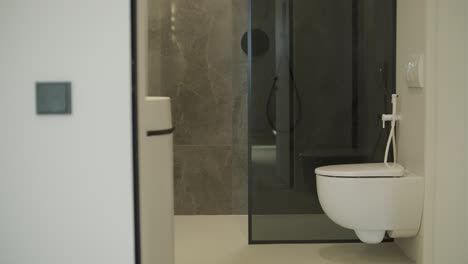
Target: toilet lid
[367, 170]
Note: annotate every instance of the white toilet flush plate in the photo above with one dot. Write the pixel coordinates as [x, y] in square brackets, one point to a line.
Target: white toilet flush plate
[415, 71]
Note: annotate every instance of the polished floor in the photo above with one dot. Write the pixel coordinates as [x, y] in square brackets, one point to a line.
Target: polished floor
[298, 227]
[223, 240]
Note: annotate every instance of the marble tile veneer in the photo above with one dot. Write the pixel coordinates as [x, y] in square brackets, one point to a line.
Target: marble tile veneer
[195, 58]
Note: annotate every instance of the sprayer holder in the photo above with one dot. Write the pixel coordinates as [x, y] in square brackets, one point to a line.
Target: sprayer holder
[393, 117]
[390, 118]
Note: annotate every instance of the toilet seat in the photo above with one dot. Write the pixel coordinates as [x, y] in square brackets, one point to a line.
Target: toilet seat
[366, 170]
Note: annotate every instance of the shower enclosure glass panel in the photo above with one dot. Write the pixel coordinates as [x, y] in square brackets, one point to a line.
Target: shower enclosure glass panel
[321, 73]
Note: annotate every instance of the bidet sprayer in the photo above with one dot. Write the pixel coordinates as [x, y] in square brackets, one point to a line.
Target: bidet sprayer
[392, 118]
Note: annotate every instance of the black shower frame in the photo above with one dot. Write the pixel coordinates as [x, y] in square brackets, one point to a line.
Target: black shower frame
[355, 82]
[135, 148]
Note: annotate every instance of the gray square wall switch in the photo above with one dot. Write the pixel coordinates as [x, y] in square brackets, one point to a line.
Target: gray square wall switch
[53, 98]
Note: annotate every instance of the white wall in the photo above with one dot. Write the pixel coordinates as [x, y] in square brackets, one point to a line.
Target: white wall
[411, 39]
[66, 181]
[451, 143]
[433, 132]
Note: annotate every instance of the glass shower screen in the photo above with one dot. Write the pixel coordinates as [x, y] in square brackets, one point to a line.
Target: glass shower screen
[321, 73]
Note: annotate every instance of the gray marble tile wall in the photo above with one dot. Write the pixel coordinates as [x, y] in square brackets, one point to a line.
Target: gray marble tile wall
[195, 58]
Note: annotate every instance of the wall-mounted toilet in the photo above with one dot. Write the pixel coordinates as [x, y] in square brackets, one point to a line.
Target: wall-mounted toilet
[372, 199]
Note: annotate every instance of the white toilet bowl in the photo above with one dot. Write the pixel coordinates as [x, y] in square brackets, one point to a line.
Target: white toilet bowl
[372, 199]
